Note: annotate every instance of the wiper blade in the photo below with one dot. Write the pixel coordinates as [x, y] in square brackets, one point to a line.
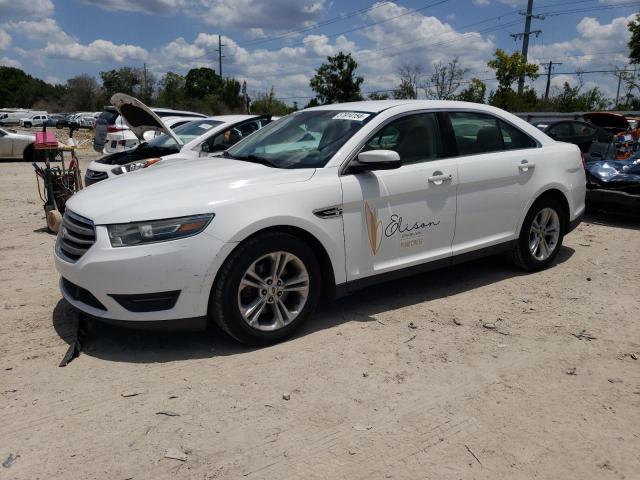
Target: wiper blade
[256, 159]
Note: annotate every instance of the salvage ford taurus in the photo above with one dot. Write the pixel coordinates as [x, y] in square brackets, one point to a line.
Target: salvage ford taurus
[324, 201]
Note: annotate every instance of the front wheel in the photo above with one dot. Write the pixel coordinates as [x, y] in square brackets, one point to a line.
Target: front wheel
[540, 237]
[27, 125]
[266, 289]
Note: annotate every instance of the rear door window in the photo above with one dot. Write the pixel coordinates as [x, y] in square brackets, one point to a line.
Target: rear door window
[478, 133]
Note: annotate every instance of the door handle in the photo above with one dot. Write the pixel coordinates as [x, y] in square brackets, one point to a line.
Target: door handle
[525, 166]
[438, 179]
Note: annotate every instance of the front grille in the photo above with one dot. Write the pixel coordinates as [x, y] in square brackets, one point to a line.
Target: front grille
[95, 176]
[81, 295]
[76, 236]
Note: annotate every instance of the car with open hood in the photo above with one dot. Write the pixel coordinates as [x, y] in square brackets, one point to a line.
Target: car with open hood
[112, 133]
[316, 205]
[190, 138]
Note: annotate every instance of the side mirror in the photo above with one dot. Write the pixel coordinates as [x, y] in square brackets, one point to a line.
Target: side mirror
[376, 160]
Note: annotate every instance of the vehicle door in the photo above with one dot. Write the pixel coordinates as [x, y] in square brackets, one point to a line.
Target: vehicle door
[496, 168]
[403, 217]
[6, 145]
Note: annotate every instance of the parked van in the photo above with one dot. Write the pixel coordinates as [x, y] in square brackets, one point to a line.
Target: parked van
[13, 118]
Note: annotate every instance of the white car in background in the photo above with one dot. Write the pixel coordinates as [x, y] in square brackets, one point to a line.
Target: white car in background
[201, 137]
[112, 133]
[16, 145]
[35, 120]
[321, 203]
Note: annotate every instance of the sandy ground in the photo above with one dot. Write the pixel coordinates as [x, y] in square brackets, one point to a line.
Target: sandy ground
[371, 395]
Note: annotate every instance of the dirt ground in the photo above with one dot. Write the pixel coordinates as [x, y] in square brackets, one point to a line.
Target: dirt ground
[401, 381]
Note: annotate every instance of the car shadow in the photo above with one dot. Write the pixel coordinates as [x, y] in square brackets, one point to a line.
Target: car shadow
[135, 346]
[612, 220]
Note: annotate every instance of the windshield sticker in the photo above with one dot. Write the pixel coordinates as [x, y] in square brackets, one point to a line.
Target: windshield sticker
[356, 116]
[206, 126]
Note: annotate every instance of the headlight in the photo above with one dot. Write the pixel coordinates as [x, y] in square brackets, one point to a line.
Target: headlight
[138, 233]
[133, 166]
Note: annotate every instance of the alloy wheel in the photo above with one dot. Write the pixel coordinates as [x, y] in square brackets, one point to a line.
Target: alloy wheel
[273, 291]
[544, 234]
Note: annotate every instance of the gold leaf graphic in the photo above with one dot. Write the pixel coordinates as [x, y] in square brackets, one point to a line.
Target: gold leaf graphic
[374, 228]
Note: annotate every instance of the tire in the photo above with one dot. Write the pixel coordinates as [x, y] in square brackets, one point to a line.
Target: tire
[27, 125]
[524, 255]
[227, 296]
[29, 153]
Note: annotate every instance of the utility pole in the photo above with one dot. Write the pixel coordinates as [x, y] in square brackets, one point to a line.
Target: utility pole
[525, 37]
[549, 67]
[220, 56]
[619, 84]
[144, 81]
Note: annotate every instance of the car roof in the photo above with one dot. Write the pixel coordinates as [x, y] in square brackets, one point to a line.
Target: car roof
[377, 106]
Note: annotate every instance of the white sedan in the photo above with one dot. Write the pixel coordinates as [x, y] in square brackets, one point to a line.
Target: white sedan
[16, 145]
[176, 137]
[319, 204]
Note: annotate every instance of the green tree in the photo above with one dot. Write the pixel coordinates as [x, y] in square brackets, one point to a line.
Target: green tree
[378, 96]
[230, 93]
[268, 104]
[634, 41]
[202, 81]
[509, 69]
[122, 80]
[81, 93]
[475, 92]
[17, 89]
[172, 91]
[335, 81]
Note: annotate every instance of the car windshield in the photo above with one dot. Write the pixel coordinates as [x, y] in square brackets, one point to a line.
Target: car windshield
[185, 132]
[306, 139]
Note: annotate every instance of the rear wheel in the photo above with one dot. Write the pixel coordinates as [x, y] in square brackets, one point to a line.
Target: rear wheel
[266, 289]
[541, 236]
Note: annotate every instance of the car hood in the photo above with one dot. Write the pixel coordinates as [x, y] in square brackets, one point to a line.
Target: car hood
[607, 120]
[177, 189]
[139, 117]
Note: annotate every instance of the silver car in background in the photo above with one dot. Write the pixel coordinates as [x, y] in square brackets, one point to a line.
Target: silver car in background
[16, 145]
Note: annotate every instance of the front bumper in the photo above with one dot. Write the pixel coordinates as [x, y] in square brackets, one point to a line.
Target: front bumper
[615, 201]
[97, 282]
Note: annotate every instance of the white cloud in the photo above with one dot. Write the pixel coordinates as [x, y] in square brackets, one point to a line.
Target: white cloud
[5, 40]
[11, 9]
[151, 7]
[268, 15]
[10, 62]
[61, 45]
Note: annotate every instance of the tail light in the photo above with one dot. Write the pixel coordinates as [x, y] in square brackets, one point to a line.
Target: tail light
[114, 129]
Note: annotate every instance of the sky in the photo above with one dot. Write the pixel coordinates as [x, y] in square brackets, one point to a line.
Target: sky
[279, 43]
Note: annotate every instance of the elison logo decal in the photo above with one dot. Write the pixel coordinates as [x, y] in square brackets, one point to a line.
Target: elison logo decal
[410, 235]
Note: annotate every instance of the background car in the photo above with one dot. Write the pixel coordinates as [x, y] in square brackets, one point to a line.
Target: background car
[594, 142]
[16, 145]
[112, 134]
[35, 120]
[192, 139]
